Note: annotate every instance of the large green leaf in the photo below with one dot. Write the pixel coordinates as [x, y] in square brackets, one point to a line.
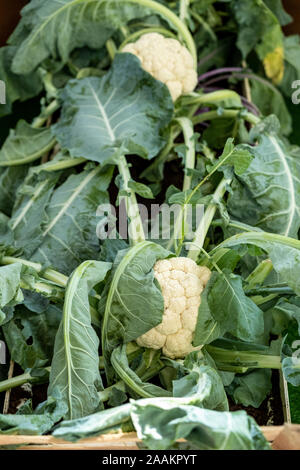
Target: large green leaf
[30, 336]
[68, 235]
[29, 212]
[25, 144]
[10, 180]
[259, 29]
[207, 328]
[282, 313]
[237, 157]
[132, 302]
[202, 382]
[86, 23]
[160, 422]
[267, 194]
[219, 131]
[269, 100]
[33, 422]
[277, 8]
[75, 378]
[18, 87]
[58, 226]
[291, 365]
[284, 253]
[96, 424]
[25, 424]
[6, 236]
[124, 111]
[10, 292]
[120, 364]
[230, 311]
[61, 161]
[251, 389]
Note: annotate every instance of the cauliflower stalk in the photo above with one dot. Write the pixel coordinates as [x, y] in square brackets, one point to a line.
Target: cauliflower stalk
[167, 60]
[182, 282]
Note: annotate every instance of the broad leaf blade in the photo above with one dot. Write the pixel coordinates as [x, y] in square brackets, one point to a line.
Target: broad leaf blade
[228, 309]
[68, 236]
[202, 382]
[277, 8]
[132, 303]
[259, 29]
[251, 389]
[29, 213]
[269, 100]
[269, 188]
[25, 424]
[25, 144]
[207, 328]
[120, 364]
[284, 253]
[120, 112]
[290, 365]
[30, 336]
[160, 422]
[75, 376]
[58, 226]
[10, 292]
[239, 157]
[85, 24]
[96, 424]
[18, 87]
[10, 180]
[33, 422]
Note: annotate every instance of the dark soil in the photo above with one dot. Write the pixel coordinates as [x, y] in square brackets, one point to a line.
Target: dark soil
[38, 395]
[19, 395]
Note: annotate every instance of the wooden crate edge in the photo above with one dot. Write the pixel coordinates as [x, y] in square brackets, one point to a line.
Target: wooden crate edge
[278, 436]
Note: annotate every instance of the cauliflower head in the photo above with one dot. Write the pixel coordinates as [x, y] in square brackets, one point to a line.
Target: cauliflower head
[182, 282]
[167, 60]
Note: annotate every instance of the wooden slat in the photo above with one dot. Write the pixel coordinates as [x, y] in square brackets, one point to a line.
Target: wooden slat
[107, 441]
[271, 432]
[281, 437]
[288, 438]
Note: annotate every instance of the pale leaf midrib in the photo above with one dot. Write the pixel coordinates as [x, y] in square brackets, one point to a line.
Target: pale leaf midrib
[28, 205]
[70, 294]
[27, 158]
[103, 114]
[66, 206]
[126, 259]
[291, 192]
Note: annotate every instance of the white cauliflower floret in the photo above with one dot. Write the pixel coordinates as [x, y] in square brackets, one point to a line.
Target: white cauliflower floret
[167, 60]
[182, 283]
[178, 344]
[152, 339]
